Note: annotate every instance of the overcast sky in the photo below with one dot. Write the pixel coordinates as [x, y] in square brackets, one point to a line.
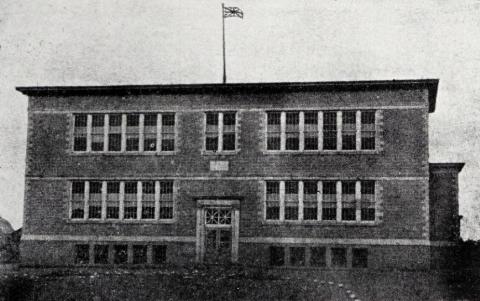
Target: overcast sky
[161, 42]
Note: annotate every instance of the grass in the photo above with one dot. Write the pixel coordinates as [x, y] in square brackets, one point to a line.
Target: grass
[219, 283]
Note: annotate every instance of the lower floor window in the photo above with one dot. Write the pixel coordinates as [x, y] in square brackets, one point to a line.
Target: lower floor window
[359, 258]
[297, 256]
[339, 257]
[277, 256]
[82, 254]
[318, 257]
[120, 254]
[159, 254]
[101, 254]
[139, 254]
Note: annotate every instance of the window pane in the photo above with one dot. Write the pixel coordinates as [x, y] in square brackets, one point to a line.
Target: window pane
[329, 204]
[150, 120]
[139, 254]
[80, 133]
[159, 254]
[330, 131]
[212, 118]
[339, 257]
[168, 120]
[132, 132]
[273, 200]
[277, 256]
[273, 143]
[318, 257]
[349, 130]
[101, 254]
[212, 143]
[359, 258]
[82, 254]
[120, 254]
[114, 142]
[229, 142]
[297, 256]
[228, 119]
[368, 130]
[273, 118]
[115, 132]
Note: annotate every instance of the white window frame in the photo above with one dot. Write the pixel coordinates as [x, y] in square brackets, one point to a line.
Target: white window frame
[220, 149]
[300, 207]
[320, 119]
[141, 133]
[121, 200]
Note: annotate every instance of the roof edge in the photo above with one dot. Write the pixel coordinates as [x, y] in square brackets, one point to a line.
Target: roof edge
[439, 167]
[430, 84]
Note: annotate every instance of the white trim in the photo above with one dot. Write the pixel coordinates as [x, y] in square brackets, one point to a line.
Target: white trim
[159, 133]
[123, 144]
[339, 130]
[301, 128]
[264, 240]
[320, 130]
[114, 238]
[338, 187]
[300, 200]
[173, 109]
[89, 133]
[106, 130]
[358, 197]
[220, 132]
[358, 130]
[282, 201]
[319, 200]
[246, 178]
[141, 132]
[283, 126]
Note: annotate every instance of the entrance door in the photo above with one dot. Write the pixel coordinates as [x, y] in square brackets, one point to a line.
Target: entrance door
[217, 231]
[218, 235]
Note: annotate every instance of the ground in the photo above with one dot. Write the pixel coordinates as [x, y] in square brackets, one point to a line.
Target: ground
[219, 283]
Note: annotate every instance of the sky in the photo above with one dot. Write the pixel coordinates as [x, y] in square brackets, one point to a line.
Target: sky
[48, 42]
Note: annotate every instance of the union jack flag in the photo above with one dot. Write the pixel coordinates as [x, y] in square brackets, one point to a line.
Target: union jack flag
[232, 12]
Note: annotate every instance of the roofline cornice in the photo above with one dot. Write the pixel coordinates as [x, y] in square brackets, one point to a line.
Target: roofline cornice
[232, 88]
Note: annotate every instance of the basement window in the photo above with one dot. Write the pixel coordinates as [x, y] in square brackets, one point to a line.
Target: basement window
[318, 257]
[277, 256]
[120, 254]
[159, 253]
[297, 256]
[82, 254]
[339, 257]
[360, 258]
[139, 254]
[101, 254]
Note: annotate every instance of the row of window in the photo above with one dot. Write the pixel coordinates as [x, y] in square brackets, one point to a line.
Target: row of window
[124, 132]
[320, 200]
[317, 257]
[128, 200]
[317, 130]
[120, 254]
[286, 131]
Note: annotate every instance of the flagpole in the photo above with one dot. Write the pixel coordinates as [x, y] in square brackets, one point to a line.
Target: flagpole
[223, 40]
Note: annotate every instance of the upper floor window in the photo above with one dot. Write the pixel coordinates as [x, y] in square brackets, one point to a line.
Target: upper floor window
[320, 130]
[220, 131]
[137, 132]
[122, 200]
[320, 200]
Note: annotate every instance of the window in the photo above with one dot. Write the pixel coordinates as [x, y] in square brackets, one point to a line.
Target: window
[359, 258]
[330, 131]
[166, 200]
[133, 132]
[273, 131]
[159, 254]
[124, 132]
[339, 257]
[101, 254]
[150, 133]
[220, 131]
[367, 202]
[139, 254]
[148, 200]
[291, 200]
[82, 254]
[80, 133]
[349, 130]
[130, 201]
[97, 132]
[348, 201]
[78, 200]
[318, 257]
[297, 256]
[329, 203]
[115, 133]
[310, 200]
[292, 131]
[120, 254]
[168, 132]
[368, 130]
[273, 201]
[311, 131]
[113, 200]
[139, 200]
[95, 200]
[277, 256]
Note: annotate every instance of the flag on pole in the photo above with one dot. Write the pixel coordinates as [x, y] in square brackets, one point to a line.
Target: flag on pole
[232, 12]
